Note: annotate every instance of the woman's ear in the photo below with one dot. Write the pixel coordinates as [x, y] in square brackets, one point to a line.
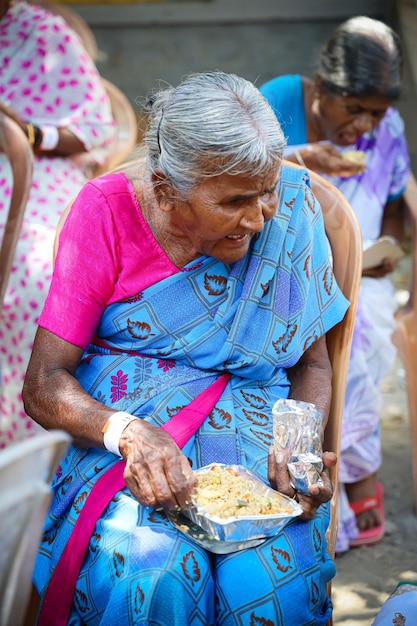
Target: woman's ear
[163, 190]
[317, 86]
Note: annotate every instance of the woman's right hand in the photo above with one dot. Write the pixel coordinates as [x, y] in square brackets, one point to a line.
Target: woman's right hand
[157, 472]
[326, 159]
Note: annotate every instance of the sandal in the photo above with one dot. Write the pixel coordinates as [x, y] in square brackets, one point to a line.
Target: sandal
[370, 536]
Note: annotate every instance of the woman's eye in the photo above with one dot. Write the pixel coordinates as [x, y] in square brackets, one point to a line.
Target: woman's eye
[269, 192]
[354, 110]
[237, 202]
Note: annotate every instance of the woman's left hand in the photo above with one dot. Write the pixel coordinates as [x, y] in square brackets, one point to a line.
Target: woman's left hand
[382, 270]
[279, 479]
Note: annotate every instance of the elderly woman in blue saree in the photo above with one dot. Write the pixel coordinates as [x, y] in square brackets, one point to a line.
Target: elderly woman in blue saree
[188, 295]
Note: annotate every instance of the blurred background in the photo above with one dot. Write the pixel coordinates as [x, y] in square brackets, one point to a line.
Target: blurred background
[143, 42]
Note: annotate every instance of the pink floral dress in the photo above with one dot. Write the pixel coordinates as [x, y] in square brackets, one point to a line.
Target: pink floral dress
[47, 78]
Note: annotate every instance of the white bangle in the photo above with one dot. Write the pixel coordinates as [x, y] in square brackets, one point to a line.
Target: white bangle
[113, 429]
[299, 158]
[50, 137]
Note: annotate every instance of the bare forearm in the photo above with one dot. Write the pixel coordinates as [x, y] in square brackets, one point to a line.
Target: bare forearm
[394, 227]
[58, 401]
[311, 379]
[55, 399]
[313, 384]
[393, 219]
[68, 144]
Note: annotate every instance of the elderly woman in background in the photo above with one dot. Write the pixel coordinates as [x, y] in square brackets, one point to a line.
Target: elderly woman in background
[51, 88]
[348, 106]
[204, 283]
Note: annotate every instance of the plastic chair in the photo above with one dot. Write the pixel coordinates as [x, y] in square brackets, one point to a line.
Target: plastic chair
[343, 232]
[126, 135]
[26, 468]
[344, 235]
[15, 145]
[76, 22]
[405, 333]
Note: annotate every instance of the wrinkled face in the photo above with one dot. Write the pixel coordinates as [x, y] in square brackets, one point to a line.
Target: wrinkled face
[344, 119]
[223, 213]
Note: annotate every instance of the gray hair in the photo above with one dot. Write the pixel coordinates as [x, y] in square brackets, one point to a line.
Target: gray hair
[213, 123]
[363, 57]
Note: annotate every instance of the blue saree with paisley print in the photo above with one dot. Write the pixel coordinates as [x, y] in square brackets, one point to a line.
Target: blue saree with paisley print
[153, 354]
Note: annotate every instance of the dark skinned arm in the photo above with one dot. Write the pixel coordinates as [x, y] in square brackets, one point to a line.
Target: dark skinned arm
[68, 143]
[324, 158]
[157, 473]
[311, 380]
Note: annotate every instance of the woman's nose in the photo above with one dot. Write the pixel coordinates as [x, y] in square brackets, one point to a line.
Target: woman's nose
[363, 123]
[253, 218]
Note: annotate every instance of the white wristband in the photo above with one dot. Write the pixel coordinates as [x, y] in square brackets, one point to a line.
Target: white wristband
[299, 158]
[113, 429]
[50, 137]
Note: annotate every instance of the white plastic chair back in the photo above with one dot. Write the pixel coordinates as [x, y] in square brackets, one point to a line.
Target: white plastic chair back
[26, 468]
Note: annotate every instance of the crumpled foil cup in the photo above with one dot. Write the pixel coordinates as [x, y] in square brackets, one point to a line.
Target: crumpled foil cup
[297, 427]
[244, 528]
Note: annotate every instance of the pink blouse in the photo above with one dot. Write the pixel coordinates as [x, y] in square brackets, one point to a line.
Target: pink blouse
[106, 253]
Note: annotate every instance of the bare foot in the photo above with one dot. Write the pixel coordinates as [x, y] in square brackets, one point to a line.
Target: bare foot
[365, 488]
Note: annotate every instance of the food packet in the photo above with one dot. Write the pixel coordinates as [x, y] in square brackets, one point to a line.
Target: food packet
[355, 156]
[297, 427]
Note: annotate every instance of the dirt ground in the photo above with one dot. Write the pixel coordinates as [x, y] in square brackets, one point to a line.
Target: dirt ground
[366, 576]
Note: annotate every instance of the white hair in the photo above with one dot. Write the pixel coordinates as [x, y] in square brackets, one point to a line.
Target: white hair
[211, 124]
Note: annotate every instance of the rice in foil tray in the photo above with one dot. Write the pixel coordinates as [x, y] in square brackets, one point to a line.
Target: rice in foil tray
[232, 504]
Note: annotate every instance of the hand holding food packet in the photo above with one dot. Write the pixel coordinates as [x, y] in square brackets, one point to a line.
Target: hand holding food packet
[297, 428]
